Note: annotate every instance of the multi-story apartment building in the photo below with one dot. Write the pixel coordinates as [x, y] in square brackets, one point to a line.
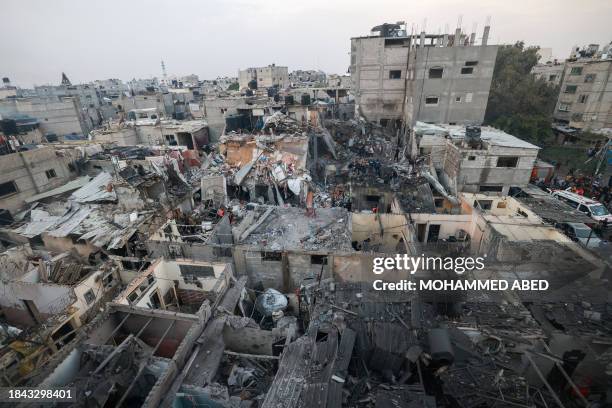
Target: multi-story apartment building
[550, 72]
[585, 100]
[57, 115]
[442, 78]
[306, 78]
[266, 77]
[31, 172]
[111, 88]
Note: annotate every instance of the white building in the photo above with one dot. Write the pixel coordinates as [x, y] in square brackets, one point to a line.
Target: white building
[266, 77]
[481, 160]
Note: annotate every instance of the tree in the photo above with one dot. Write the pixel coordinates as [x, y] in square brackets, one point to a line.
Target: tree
[519, 103]
[233, 87]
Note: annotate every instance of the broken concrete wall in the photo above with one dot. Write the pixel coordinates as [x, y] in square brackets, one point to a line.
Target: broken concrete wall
[163, 384]
[216, 109]
[450, 225]
[284, 271]
[127, 275]
[452, 159]
[491, 242]
[307, 267]
[253, 264]
[450, 170]
[66, 244]
[238, 152]
[128, 198]
[480, 168]
[126, 136]
[249, 340]
[92, 284]
[190, 297]
[200, 138]
[368, 197]
[66, 370]
[223, 233]
[174, 271]
[214, 188]
[150, 135]
[14, 262]
[43, 300]
[380, 232]
[187, 250]
[33, 172]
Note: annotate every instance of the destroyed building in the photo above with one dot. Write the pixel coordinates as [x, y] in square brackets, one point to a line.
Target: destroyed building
[235, 266]
[125, 357]
[446, 76]
[47, 299]
[179, 285]
[33, 171]
[58, 116]
[269, 304]
[477, 159]
[264, 77]
[148, 130]
[52, 286]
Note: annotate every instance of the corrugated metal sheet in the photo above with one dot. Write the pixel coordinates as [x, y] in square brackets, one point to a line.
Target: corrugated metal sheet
[40, 222]
[95, 191]
[72, 185]
[91, 223]
[69, 222]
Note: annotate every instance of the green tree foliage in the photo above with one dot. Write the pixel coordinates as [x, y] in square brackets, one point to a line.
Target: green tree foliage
[518, 103]
[233, 87]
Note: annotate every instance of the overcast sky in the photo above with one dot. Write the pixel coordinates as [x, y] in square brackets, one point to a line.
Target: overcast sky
[98, 39]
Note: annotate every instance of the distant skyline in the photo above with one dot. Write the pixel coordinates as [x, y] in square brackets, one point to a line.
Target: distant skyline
[89, 40]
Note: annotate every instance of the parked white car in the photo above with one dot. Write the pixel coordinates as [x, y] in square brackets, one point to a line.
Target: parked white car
[590, 207]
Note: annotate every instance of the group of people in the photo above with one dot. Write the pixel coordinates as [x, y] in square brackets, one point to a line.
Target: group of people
[589, 186]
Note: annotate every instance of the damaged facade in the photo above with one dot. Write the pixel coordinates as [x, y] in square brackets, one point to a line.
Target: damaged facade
[435, 78]
[584, 99]
[477, 159]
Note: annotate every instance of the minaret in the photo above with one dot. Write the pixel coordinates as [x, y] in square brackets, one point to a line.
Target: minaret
[165, 76]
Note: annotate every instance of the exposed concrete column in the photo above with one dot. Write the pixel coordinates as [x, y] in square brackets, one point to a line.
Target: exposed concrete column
[485, 35]
[26, 164]
[472, 38]
[457, 40]
[422, 39]
[286, 284]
